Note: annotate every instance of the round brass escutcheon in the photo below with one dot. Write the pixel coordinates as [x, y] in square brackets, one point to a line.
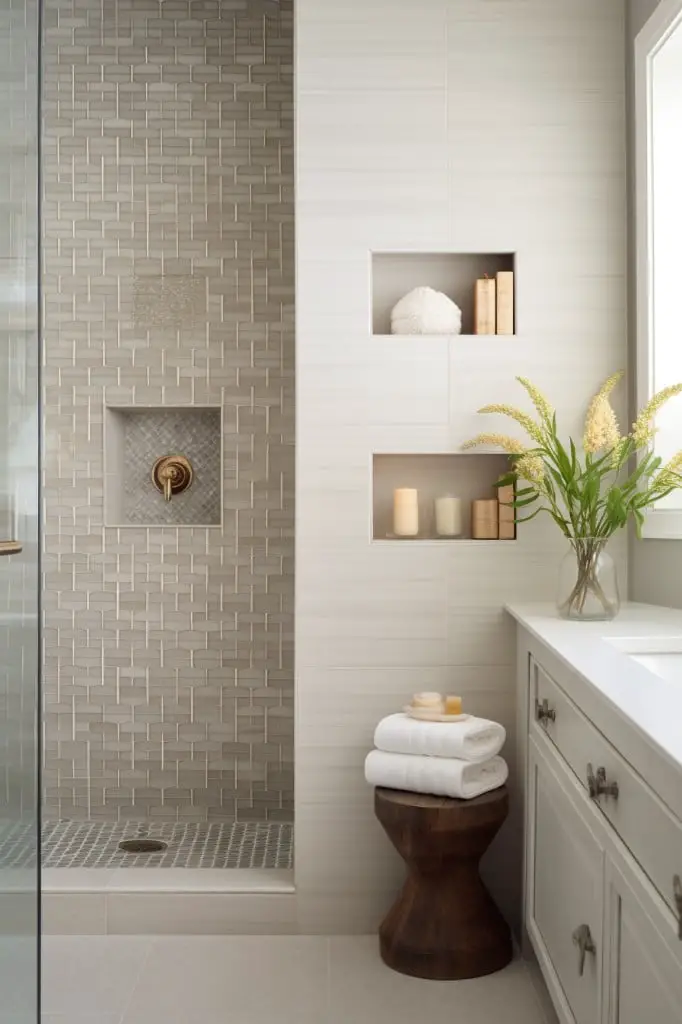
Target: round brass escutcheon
[172, 474]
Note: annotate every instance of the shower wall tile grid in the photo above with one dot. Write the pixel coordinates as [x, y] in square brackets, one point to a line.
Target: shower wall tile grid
[168, 280]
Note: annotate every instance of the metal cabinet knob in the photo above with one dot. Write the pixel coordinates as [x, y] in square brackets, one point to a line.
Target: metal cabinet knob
[677, 893]
[582, 938]
[543, 712]
[597, 784]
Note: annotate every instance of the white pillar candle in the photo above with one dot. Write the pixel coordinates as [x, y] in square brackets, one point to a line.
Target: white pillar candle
[448, 516]
[405, 512]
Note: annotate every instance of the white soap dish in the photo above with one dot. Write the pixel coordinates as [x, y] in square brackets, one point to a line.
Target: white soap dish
[427, 715]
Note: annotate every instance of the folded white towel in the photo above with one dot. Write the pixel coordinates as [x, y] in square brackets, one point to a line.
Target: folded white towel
[475, 739]
[439, 776]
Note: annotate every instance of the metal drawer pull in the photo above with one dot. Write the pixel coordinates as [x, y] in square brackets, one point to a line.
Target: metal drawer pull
[10, 547]
[543, 712]
[582, 938]
[677, 893]
[598, 786]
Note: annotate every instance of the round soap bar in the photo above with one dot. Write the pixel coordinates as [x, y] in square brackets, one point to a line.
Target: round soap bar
[427, 700]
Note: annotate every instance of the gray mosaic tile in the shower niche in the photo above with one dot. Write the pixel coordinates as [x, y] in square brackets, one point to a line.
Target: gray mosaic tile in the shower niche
[153, 433]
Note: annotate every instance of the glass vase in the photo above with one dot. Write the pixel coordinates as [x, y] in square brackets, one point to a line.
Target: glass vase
[588, 582]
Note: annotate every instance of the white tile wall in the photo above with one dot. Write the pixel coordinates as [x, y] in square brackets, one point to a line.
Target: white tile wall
[429, 125]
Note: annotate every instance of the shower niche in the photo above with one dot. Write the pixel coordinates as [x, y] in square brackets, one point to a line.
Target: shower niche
[163, 466]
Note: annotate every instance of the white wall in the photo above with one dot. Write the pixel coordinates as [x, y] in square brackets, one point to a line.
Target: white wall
[433, 125]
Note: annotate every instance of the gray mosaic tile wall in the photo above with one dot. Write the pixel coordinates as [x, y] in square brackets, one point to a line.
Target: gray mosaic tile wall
[168, 222]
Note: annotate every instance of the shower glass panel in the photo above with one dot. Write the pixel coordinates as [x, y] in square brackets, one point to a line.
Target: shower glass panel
[19, 560]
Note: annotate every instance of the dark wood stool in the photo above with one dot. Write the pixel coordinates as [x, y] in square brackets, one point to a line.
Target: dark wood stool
[444, 925]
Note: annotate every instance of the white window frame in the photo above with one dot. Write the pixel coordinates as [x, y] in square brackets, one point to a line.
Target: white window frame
[660, 523]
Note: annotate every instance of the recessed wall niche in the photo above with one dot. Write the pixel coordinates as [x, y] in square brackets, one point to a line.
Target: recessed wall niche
[394, 274]
[135, 438]
[465, 476]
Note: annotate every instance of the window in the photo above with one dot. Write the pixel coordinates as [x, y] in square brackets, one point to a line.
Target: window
[658, 121]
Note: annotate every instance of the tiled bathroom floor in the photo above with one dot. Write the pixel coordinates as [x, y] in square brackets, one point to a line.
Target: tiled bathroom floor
[262, 980]
[85, 844]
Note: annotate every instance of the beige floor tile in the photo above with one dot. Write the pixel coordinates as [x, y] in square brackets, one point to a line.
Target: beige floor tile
[236, 979]
[91, 974]
[18, 975]
[260, 980]
[363, 990]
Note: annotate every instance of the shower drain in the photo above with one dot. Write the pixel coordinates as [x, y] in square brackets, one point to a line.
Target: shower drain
[142, 845]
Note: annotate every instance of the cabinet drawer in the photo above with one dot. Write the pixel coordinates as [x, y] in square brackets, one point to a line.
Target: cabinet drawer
[644, 823]
[565, 889]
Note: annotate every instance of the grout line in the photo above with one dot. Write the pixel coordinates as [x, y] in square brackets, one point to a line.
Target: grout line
[532, 982]
[329, 979]
[138, 977]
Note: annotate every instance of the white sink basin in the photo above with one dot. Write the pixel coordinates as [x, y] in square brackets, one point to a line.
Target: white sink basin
[661, 655]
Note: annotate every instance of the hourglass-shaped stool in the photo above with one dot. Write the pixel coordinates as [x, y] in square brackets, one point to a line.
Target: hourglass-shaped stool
[444, 925]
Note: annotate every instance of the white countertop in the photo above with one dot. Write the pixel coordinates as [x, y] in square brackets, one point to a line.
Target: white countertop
[652, 704]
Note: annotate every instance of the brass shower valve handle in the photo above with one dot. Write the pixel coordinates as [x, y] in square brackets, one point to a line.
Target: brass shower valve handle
[172, 474]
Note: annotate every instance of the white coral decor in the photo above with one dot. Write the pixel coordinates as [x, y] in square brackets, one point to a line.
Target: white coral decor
[426, 311]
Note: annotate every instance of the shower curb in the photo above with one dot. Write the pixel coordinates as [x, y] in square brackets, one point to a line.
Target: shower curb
[168, 901]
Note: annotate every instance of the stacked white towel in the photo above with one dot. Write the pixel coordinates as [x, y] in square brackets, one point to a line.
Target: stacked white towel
[473, 739]
[458, 759]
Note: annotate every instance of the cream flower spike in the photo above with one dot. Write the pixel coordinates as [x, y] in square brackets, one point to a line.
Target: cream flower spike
[669, 475]
[609, 384]
[642, 429]
[542, 406]
[532, 469]
[619, 452]
[601, 426]
[522, 418]
[509, 444]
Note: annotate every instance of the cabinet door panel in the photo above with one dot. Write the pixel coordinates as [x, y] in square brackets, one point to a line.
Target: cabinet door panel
[566, 884]
[646, 825]
[645, 962]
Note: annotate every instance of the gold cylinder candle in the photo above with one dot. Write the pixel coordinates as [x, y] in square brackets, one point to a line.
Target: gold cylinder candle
[405, 512]
[484, 519]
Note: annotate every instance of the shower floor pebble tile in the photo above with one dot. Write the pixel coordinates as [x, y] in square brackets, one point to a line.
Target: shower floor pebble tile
[261, 979]
[77, 844]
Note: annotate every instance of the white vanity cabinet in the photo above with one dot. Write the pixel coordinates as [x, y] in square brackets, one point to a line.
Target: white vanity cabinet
[603, 854]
